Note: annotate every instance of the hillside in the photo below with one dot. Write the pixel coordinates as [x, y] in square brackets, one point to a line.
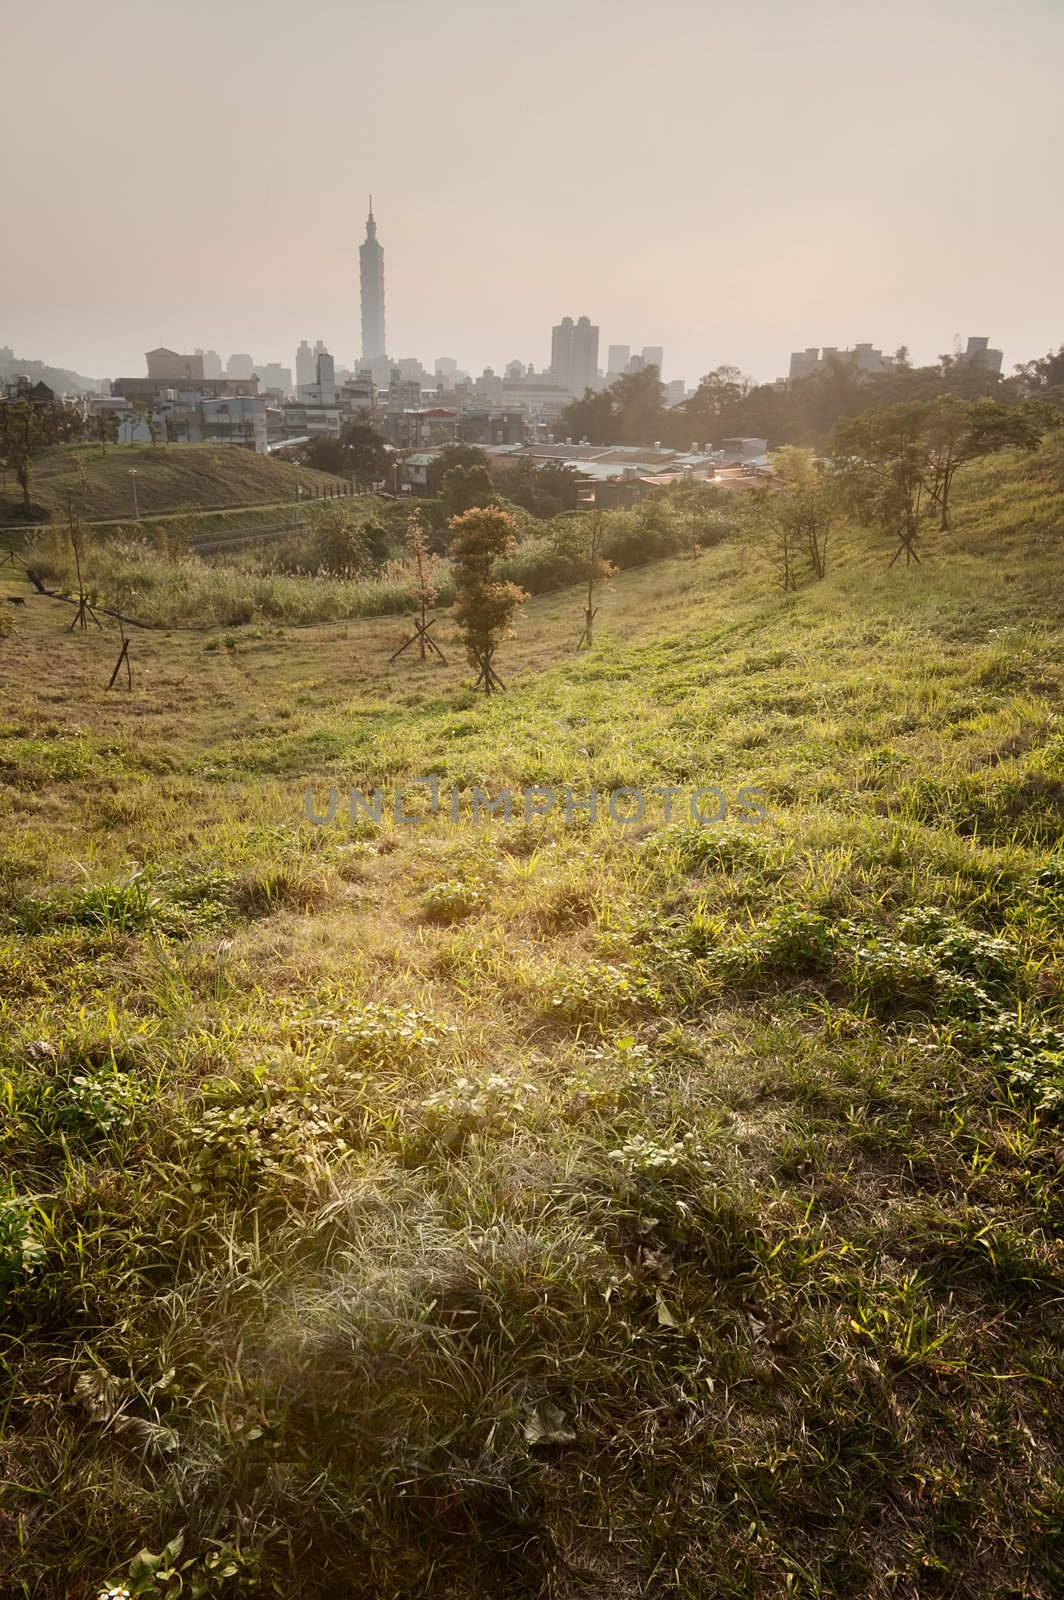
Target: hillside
[170, 478]
[547, 1208]
[61, 379]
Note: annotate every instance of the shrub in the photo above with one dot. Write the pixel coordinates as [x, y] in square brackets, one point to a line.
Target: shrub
[451, 900]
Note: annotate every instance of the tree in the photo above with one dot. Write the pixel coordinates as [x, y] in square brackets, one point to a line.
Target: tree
[463, 488]
[881, 465]
[325, 455]
[366, 456]
[956, 431]
[486, 604]
[594, 417]
[340, 547]
[800, 516]
[67, 421]
[452, 455]
[596, 568]
[424, 592]
[23, 430]
[106, 429]
[1044, 374]
[545, 491]
[639, 398]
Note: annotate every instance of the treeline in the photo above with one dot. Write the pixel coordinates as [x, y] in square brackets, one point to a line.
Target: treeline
[892, 471]
[803, 412]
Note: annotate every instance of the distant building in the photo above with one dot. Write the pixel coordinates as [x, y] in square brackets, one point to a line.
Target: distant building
[574, 355]
[187, 413]
[492, 427]
[675, 392]
[357, 394]
[539, 397]
[188, 389]
[863, 358]
[489, 387]
[305, 365]
[163, 363]
[306, 419]
[212, 363]
[274, 376]
[742, 449]
[239, 366]
[371, 280]
[326, 378]
[617, 359]
[446, 367]
[654, 356]
[417, 429]
[232, 419]
[978, 354]
[39, 394]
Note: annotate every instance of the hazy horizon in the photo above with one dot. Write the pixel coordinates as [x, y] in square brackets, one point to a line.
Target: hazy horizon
[727, 189]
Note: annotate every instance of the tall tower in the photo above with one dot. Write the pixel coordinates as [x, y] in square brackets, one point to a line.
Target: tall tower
[371, 273]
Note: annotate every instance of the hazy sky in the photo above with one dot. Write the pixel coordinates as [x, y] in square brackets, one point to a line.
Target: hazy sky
[729, 181]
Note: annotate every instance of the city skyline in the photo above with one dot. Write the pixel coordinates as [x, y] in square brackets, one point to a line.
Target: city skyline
[829, 180]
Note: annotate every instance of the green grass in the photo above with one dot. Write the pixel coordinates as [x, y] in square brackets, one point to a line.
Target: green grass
[546, 1209]
[170, 478]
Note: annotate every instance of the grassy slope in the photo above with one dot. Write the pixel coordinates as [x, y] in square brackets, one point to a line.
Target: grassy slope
[340, 1160]
[174, 477]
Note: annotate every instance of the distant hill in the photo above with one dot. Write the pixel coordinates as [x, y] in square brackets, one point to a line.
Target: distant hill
[174, 477]
[61, 379]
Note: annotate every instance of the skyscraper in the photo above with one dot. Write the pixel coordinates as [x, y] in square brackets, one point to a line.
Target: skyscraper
[304, 365]
[371, 275]
[574, 354]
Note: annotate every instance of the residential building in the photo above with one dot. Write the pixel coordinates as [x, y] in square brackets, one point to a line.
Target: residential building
[371, 279]
[574, 355]
[239, 366]
[306, 419]
[863, 357]
[233, 419]
[187, 389]
[356, 394]
[493, 427]
[418, 429]
[186, 414]
[978, 354]
[488, 387]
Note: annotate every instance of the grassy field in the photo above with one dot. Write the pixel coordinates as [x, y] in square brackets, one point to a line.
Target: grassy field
[549, 1208]
[174, 477]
